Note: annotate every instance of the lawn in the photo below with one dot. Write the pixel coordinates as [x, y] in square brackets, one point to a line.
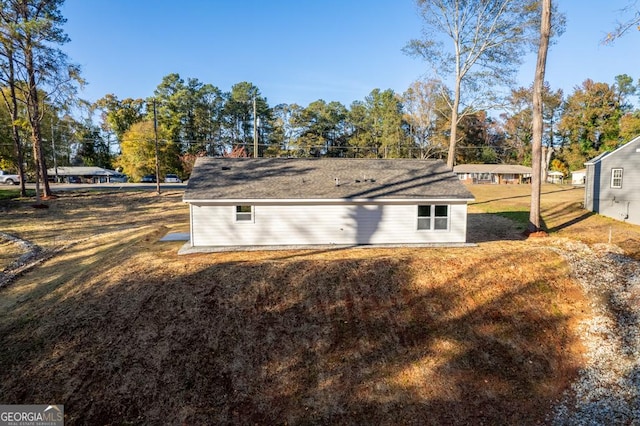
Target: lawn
[562, 214]
[120, 329]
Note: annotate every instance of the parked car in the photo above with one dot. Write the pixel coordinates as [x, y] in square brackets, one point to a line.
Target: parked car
[171, 178]
[8, 178]
[74, 179]
[119, 179]
[148, 179]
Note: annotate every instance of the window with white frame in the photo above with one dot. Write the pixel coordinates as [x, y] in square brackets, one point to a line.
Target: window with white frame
[433, 217]
[244, 213]
[616, 178]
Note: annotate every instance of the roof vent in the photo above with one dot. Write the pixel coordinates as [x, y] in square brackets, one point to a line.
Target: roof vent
[226, 168]
[337, 181]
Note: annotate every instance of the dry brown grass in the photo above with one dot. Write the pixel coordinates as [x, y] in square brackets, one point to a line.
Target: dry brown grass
[9, 252]
[122, 330]
[562, 212]
[78, 215]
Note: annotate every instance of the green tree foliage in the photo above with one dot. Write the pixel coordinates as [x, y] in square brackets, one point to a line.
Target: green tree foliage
[487, 41]
[284, 129]
[239, 118]
[518, 122]
[321, 129]
[591, 119]
[138, 151]
[92, 150]
[481, 139]
[7, 148]
[119, 115]
[32, 63]
[377, 127]
[385, 123]
[190, 111]
[630, 126]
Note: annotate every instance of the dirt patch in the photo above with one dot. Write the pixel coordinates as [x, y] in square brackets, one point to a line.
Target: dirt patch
[486, 227]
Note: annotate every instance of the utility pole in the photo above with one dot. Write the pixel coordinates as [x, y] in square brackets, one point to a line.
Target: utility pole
[155, 133]
[255, 129]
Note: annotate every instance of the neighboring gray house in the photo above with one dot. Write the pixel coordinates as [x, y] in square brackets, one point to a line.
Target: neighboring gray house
[493, 173]
[612, 186]
[320, 201]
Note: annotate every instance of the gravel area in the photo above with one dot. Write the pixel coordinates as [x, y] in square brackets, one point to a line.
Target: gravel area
[607, 391]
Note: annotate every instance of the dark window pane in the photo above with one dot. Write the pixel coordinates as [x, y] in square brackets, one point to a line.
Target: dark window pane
[441, 211]
[424, 211]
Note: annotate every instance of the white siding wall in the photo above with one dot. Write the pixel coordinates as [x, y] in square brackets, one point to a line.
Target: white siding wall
[214, 225]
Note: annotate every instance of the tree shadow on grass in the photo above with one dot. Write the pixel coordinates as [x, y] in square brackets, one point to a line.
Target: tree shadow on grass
[347, 341]
[571, 222]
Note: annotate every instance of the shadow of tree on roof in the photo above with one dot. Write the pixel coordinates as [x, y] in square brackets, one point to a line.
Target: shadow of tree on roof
[413, 182]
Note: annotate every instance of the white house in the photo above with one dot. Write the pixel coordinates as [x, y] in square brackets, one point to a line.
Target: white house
[555, 177]
[578, 177]
[324, 201]
[612, 186]
[493, 173]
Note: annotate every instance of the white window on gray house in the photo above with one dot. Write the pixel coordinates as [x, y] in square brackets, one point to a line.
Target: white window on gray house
[244, 213]
[616, 178]
[433, 217]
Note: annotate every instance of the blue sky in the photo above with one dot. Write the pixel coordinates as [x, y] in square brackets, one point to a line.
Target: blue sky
[298, 51]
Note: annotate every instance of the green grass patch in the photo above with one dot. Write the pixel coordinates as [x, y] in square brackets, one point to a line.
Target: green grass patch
[521, 217]
[10, 194]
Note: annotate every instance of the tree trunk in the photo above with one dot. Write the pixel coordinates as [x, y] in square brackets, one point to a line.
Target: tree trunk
[536, 154]
[33, 109]
[451, 158]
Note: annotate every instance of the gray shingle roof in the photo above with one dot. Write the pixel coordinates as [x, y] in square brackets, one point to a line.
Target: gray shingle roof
[322, 178]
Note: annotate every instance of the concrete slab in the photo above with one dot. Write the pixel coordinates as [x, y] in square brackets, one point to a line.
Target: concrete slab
[176, 236]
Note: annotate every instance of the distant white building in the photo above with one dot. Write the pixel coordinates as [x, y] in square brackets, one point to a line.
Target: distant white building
[84, 174]
[578, 177]
[493, 173]
[555, 177]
